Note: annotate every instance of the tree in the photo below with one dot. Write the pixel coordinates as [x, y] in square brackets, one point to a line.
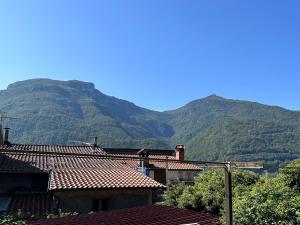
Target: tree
[207, 194]
[291, 175]
[270, 201]
[173, 194]
[10, 219]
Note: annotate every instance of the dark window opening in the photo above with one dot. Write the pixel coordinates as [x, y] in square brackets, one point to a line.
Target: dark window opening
[95, 205]
[104, 205]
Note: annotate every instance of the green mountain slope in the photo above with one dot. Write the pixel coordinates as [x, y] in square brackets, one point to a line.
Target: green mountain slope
[60, 112]
[247, 140]
[213, 128]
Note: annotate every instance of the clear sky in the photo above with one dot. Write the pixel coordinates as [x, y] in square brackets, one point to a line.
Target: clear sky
[159, 54]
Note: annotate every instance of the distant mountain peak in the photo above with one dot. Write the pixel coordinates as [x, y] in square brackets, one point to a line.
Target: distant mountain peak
[214, 97]
[43, 81]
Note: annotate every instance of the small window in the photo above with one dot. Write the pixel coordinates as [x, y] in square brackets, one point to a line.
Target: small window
[180, 175]
[104, 204]
[4, 203]
[189, 176]
[95, 205]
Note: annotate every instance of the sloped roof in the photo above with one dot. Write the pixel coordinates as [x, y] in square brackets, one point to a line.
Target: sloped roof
[42, 154]
[66, 149]
[33, 203]
[157, 161]
[35, 162]
[147, 215]
[134, 151]
[75, 172]
[154, 164]
[87, 178]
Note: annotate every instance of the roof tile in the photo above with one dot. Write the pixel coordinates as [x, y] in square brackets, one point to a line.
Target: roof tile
[33, 203]
[147, 215]
[104, 178]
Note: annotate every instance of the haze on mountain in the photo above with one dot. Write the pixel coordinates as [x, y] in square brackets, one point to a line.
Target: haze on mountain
[212, 128]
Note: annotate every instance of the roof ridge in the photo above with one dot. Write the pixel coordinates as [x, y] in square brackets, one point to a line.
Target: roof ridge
[59, 145]
[94, 168]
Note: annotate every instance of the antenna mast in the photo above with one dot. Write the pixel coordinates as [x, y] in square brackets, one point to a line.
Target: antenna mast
[3, 115]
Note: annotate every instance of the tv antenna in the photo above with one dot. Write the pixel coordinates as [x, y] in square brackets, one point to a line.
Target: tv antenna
[3, 116]
[3, 140]
[94, 143]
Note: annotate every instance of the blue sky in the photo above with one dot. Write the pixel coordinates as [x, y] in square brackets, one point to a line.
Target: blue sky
[158, 54]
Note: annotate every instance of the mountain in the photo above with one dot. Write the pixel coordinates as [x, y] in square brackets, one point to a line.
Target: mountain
[213, 128]
[65, 112]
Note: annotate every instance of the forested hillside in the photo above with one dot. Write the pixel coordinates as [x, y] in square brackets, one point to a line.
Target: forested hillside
[58, 112]
[213, 128]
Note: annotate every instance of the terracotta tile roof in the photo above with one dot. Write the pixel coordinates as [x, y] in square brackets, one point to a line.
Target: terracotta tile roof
[106, 178]
[148, 215]
[172, 165]
[31, 162]
[22, 163]
[82, 167]
[150, 156]
[39, 162]
[77, 172]
[56, 149]
[31, 203]
[162, 157]
[162, 165]
[177, 165]
[131, 151]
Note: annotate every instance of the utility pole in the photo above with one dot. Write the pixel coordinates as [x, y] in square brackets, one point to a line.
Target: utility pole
[228, 167]
[228, 193]
[167, 171]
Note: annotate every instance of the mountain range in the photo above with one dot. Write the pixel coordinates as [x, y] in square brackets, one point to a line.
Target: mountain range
[212, 128]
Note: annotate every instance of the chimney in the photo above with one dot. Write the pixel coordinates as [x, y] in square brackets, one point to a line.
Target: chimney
[95, 141]
[144, 157]
[6, 135]
[180, 152]
[1, 136]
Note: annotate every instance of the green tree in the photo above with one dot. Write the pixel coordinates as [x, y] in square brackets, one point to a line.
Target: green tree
[173, 194]
[270, 201]
[207, 194]
[12, 220]
[291, 175]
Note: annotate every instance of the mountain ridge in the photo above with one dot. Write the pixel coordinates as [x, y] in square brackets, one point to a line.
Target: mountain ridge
[56, 112]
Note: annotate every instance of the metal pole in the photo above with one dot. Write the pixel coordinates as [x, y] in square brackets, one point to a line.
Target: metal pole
[228, 194]
[1, 135]
[167, 171]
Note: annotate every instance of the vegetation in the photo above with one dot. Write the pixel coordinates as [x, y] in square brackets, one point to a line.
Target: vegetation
[207, 194]
[269, 202]
[256, 200]
[172, 195]
[12, 219]
[20, 218]
[57, 112]
[213, 128]
[273, 200]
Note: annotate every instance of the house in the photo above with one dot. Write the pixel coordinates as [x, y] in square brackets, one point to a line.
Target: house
[40, 179]
[164, 166]
[72, 178]
[145, 215]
